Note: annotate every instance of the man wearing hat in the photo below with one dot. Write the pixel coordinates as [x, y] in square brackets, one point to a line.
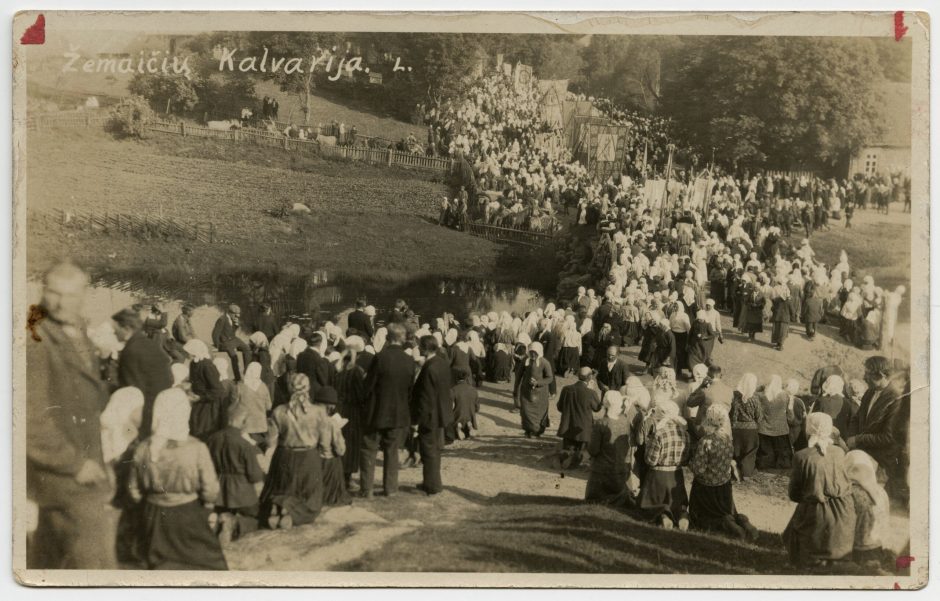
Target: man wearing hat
[225, 340]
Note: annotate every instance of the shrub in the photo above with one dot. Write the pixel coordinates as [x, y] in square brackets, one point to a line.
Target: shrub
[128, 117]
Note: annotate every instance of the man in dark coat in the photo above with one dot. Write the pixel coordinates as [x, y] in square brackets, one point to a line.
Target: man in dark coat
[360, 321]
[224, 339]
[141, 364]
[431, 412]
[386, 416]
[65, 395]
[314, 365]
[577, 404]
[873, 428]
[612, 371]
[267, 325]
[781, 317]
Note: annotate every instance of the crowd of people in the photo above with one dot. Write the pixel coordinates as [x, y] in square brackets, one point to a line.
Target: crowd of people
[195, 444]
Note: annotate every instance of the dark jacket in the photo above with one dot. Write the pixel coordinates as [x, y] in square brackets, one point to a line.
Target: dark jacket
[236, 463]
[612, 379]
[143, 364]
[431, 405]
[359, 321]
[874, 426]
[316, 368]
[267, 326]
[812, 310]
[577, 404]
[388, 389]
[64, 399]
[781, 311]
[223, 332]
[466, 401]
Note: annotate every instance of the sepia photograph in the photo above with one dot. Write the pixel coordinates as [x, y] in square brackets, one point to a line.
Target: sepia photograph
[541, 300]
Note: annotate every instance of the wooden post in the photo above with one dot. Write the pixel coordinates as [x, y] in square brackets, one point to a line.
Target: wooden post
[390, 151]
[182, 128]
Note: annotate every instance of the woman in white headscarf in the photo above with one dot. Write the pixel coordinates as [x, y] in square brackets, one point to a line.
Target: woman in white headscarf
[120, 425]
[477, 353]
[773, 430]
[536, 377]
[872, 507]
[378, 341]
[746, 413]
[208, 411]
[663, 498]
[610, 448]
[255, 400]
[711, 500]
[833, 403]
[570, 357]
[822, 528]
[174, 476]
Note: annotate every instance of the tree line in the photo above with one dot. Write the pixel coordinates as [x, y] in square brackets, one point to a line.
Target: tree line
[750, 100]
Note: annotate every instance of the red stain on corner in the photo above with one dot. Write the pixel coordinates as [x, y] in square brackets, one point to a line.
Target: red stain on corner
[899, 28]
[903, 562]
[36, 33]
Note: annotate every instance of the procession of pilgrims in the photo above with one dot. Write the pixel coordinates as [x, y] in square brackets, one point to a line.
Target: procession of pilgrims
[201, 442]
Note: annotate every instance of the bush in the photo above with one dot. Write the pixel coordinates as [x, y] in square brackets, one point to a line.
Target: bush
[128, 117]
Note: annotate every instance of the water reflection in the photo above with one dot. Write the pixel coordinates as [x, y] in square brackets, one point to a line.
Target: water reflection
[300, 298]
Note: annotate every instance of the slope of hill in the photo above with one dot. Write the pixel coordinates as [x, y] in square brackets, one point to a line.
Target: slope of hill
[356, 209]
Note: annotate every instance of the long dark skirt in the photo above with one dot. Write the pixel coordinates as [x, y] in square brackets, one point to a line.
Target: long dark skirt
[781, 329]
[774, 452]
[682, 351]
[746, 443]
[631, 334]
[206, 418]
[605, 487]
[334, 482]
[502, 367]
[710, 505]
[294, 483]
[663, 492]
[179, 538]
[534, 410]
[569, 359]
[701, 352]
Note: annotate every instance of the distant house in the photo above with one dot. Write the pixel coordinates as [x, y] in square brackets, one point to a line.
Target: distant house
[891, 152]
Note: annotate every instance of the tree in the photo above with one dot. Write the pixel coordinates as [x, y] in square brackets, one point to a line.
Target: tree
[168, 92]
[627, 69]
[128, 117]
[295, 44]
[776, 101]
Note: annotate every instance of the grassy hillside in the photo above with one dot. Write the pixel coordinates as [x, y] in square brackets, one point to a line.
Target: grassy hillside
[364, 220]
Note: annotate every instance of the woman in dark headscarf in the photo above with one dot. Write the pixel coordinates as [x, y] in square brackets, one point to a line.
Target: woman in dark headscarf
[293, 492]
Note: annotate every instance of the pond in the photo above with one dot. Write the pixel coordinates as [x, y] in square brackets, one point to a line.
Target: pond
[292, 297]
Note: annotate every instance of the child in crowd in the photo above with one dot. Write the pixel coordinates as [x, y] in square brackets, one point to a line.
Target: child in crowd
[466, 401]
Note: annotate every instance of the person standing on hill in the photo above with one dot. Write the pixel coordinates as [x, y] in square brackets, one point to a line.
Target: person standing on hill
[431, 411]
[577, 404]
[142, 363]
[65, 395]
[360, 321]
[386, 417]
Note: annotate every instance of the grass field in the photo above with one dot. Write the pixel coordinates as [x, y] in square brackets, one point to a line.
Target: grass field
[324, 110]
[364, 219]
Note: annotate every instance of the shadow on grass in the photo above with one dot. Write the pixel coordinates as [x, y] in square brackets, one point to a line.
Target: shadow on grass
[531, 533]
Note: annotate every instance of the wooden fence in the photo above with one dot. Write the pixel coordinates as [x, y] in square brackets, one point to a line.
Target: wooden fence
[124, 224]
[497, 233]
[793, 175]
[89, 118]
[256, 136]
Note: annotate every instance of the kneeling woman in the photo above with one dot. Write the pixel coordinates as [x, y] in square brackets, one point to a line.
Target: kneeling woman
[293, 492]
[711, 502]
[662, 495]
[174, 474]
[822, 528]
